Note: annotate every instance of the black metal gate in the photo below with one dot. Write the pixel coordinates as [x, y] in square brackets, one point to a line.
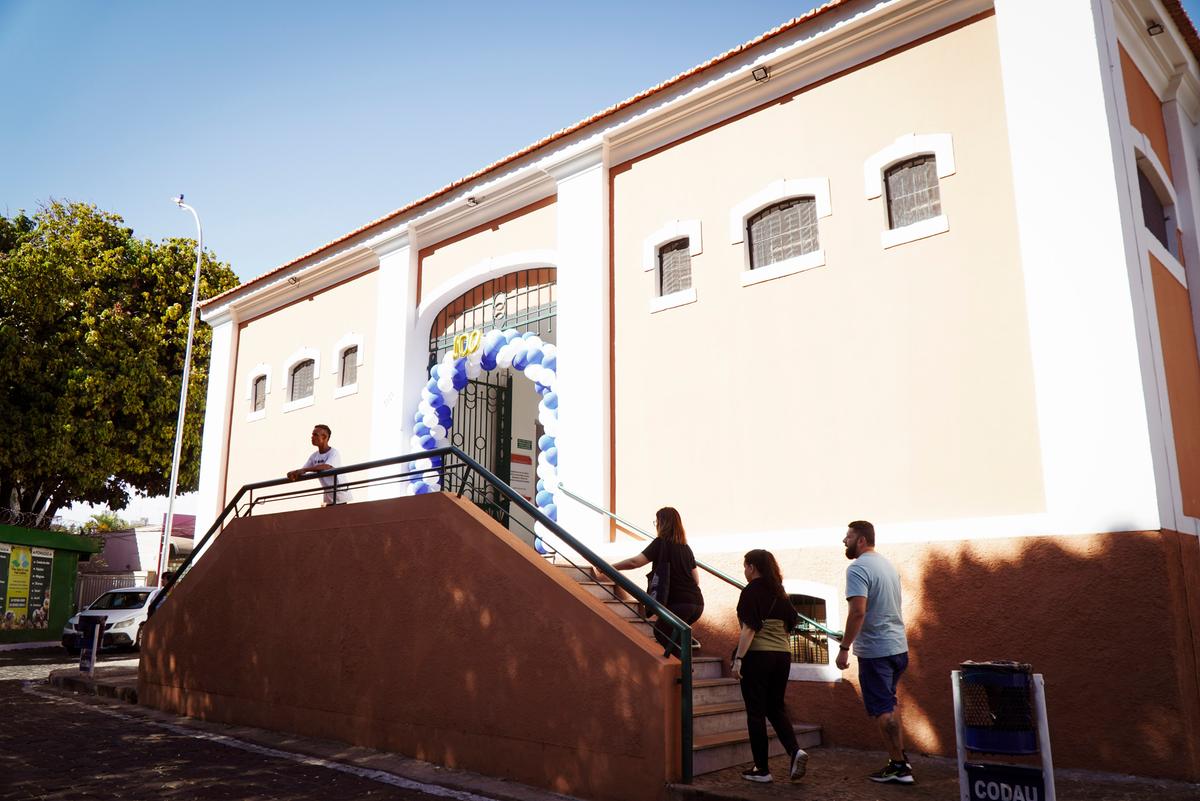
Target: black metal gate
[482, 419]
[482, 426]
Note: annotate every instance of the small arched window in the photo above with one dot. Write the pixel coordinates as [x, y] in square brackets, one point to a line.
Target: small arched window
[912, 191]
[258, 394]
[300, 385]
[348, 372]
[782, 231]
[674, 266]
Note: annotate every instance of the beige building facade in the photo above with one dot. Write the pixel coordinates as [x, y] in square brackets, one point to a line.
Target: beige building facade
[924, 262]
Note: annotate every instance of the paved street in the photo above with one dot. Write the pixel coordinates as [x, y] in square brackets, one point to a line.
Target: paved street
[55, 746]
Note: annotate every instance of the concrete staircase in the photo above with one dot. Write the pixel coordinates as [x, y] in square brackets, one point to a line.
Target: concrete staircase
[718, 714]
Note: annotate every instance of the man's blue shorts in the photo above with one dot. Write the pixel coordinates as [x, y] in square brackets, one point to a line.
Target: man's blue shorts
[877, 678]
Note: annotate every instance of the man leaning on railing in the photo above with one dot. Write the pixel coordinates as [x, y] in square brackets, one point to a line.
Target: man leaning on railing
[325, 457]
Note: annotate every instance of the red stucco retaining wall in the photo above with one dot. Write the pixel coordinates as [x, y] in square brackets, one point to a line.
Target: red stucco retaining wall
[417, 626]
[1111, 620]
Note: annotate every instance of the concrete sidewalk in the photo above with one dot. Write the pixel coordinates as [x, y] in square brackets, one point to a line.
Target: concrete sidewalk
[834, 774]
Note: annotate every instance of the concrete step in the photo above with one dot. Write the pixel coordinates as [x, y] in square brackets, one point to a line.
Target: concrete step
[626, 609]
[724, 690]
[582, 573]
[713, 752]
[707, 667]
[602, 589]
[718, 718]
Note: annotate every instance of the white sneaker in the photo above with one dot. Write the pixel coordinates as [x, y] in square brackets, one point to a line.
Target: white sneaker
[799, 765]
[755, 775]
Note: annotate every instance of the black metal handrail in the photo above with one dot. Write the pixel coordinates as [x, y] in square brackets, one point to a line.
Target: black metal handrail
[682, 632]
[806, 623]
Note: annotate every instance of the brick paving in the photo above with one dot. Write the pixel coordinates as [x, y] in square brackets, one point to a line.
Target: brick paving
[55, 747]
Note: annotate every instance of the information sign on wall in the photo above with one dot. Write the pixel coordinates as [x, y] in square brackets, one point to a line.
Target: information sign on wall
[25, 575]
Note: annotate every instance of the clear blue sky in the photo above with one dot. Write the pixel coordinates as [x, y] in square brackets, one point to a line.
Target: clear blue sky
[289, 124]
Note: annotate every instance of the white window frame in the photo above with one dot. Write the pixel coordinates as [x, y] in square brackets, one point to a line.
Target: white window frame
[772, 193]
[675, 229]
[941, 146]
[261, 370]
[834, 611]
[348, 340]
[285, 380]
[1156, 174]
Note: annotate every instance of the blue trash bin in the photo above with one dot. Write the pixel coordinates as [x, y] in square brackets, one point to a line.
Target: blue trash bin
[997, 700]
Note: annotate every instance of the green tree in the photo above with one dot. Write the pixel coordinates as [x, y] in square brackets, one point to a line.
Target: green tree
[93, 327]
[105, 522]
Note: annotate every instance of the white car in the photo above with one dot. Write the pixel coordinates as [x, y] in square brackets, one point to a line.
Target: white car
[126, 611]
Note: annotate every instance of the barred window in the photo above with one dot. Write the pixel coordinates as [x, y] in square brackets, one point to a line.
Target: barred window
[349, 369]
[912, 191]
[675, 266]
[301, 385]
[258, 394]
[810, 645]
[1154, 213]
[782, 231]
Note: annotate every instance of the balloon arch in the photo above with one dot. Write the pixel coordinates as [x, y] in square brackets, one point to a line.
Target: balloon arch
[473, 354]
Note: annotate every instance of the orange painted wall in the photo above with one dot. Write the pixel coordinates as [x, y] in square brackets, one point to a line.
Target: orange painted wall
[1145, 109]
[1183, 379]
[416, 626]
[1111, 621]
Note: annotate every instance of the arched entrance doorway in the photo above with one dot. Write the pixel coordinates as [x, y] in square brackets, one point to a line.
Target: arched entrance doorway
[493, 417]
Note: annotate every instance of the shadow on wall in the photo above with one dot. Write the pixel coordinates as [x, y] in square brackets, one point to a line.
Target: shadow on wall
[1107, 619]
[405, 627]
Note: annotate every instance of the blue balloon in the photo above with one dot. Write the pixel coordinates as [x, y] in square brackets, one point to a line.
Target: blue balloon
[436, 461]
[488, 362]
[535, 357]
[428, 442]
[544, 498]
[551, 511]
[551, 400]
[422, 488]
[552, 456]
[527, 335]
[460, 366]
[545, 442]
[420, 429]
[551, 363]
[539, 546]
[460, 381]
[435, 373]
[541, 485]
[444, 416]
[520, 359]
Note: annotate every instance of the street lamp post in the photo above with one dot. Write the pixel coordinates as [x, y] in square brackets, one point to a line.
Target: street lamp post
[183, 393]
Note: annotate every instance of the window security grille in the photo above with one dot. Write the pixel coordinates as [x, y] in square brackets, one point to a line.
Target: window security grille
[912, 191]
[782, 231]
[674, 267]
[1154, 214]
[810, 646]
[302, 381]
[349, 371]
[258, 394]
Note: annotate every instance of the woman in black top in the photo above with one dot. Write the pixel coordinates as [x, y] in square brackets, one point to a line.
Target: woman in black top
[763, 660]
[670, 548]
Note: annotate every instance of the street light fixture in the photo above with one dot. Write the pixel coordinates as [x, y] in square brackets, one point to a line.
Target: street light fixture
[183, 393]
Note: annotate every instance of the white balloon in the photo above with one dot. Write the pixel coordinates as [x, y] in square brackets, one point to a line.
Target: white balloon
[451, 397]
[534, 343]
[446, 384]
[489, 339]
[534, 372]
[415, 443]
[422, 464]
[437, 431]
[549, 350]
[504, 358]
[430, 420]
[425, 408]
[443, 442]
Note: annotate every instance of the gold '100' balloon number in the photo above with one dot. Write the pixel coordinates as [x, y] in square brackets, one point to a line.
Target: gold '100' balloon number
[466, 344]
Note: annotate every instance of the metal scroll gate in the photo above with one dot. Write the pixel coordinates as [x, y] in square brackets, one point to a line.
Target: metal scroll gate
[482, 427]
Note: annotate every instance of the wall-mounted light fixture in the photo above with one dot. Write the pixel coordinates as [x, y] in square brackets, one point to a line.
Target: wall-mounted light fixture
[1154, 28]
[760, 74]
[293, 280]
[472, 201]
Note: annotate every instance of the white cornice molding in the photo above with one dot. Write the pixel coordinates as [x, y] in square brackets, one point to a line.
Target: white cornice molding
[570, 162]
[390, 241]
[495, 199]
[294, 285]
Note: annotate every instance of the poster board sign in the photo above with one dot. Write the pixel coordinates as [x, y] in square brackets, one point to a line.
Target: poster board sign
[520, 475]
[1005, 782]
[91, 634]
[25, 577]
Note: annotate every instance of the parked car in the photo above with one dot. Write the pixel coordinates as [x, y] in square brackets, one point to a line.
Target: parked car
[126, 610]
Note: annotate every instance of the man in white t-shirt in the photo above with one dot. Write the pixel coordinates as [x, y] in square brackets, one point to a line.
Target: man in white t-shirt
[324, 458]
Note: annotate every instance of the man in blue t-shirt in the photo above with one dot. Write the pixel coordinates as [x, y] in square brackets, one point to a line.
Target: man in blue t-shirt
[875, 627]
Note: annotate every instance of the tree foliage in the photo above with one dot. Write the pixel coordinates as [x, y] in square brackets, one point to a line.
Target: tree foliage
[93, 327]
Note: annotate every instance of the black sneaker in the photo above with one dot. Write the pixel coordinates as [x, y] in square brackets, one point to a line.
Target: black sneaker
[756, 775]
[799, 765]
[894, 772]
